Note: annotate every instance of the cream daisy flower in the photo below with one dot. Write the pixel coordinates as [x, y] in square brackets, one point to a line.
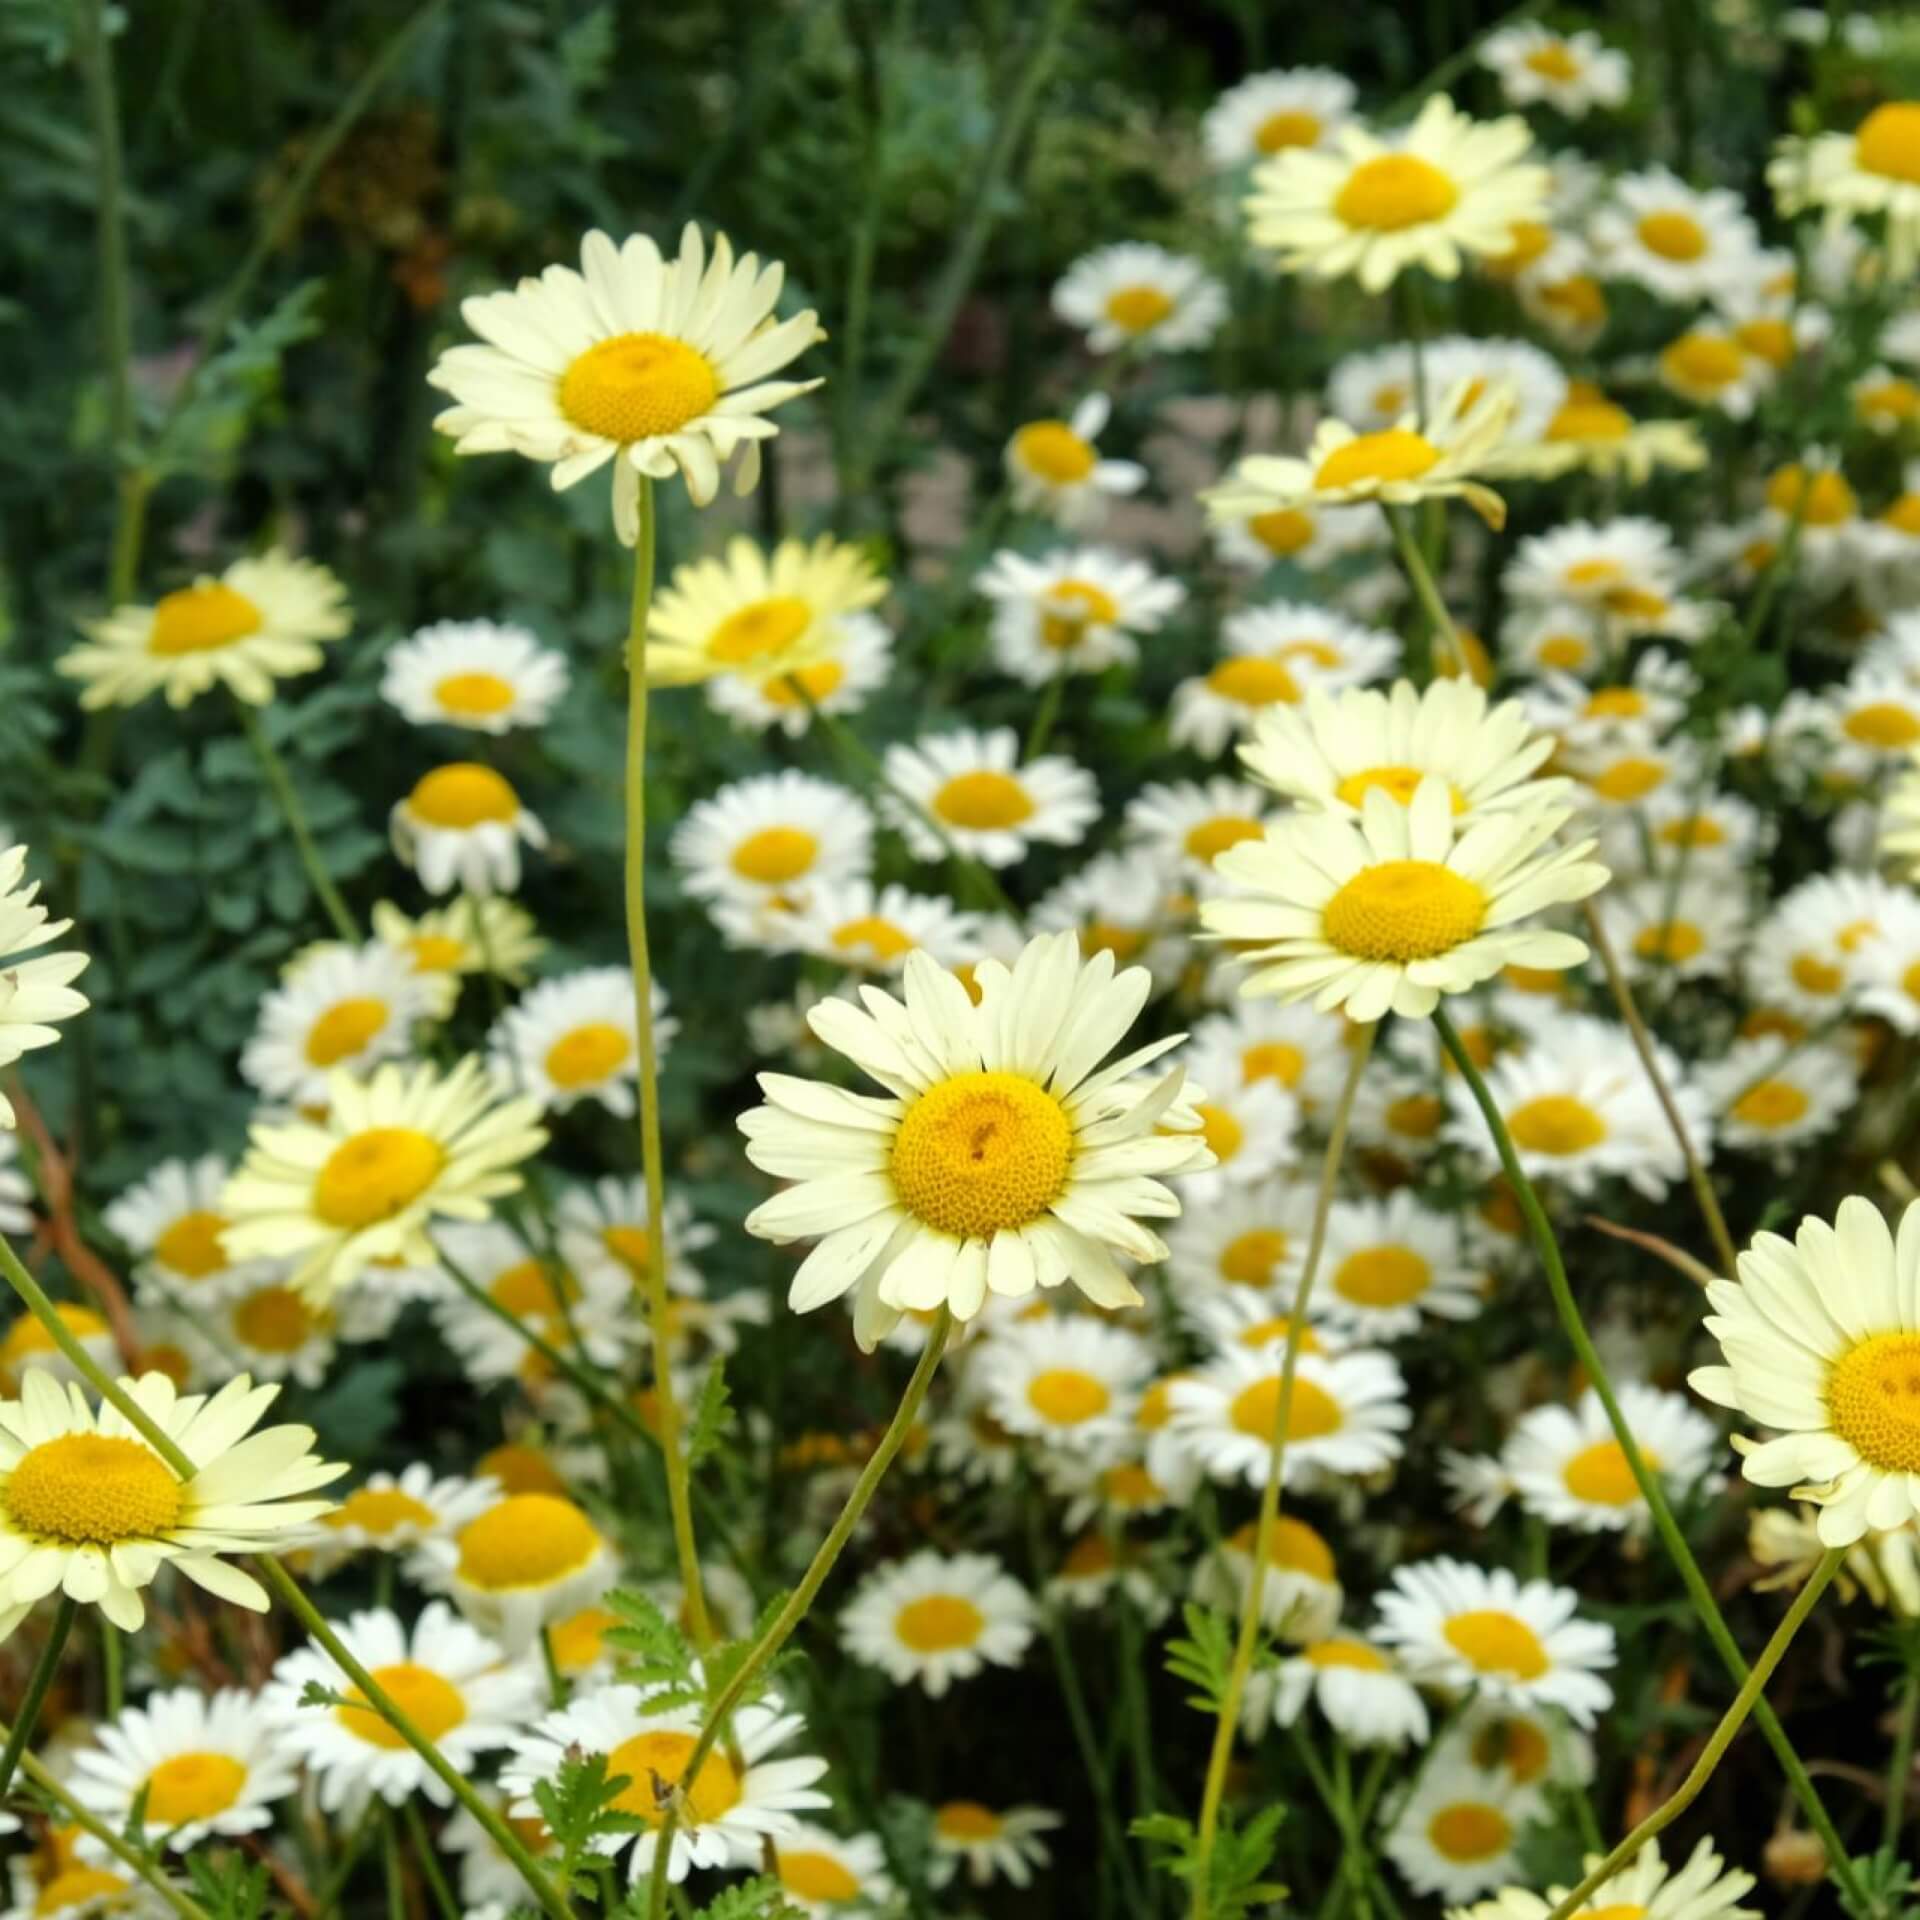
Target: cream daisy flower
[475, 674]
[393, 1153]
[87, 1507]
[1251, 1238]
[1708, 367]
[28, 1344]
[171, 1223]
[1571, 72]
[265, 619]
[856, 657]
[1566, 1466]
[450, 1681]
[1555, 636]
[877, 929]
[1623, 567]
[935, 1618]
[1334, 749]
[821, 1873]
[1706, 1888]
[265, 1328]
[1559, 286]
[1593, 434]
[1072, 610]
[1873, 170]
[1532, 1747]
[1184, 824]
[1694, 932]
[1885, 402]
[62, 1885]
[398, 1513]
[763, 842]
[1357, 1686]
[1538, 382]
[1444, 186]
[33, 993]
[1004, 1845]
[1266, 113]
[208, 1764]
[657, 365]
[1139, 296]
[1301, 1597]
[1389, 1262]
[1458, 1832]
[1769, 1098]
[1055, 470]
[1652, 700]
[1679, 243]
[1821, 1337]
[1808, 957]
[461, 826]
[573, 1038]
[526, 1562]
[1249, 1126]
[1401, 1110]
[991, 806]
[1253, 538]
[1002, 1158]
[1458, 1626]
[1073, 1383]
[1874, 717]
[1622, 777]
[1301, 1050]
[1388, 913]
[475, 933]
[347, 1009]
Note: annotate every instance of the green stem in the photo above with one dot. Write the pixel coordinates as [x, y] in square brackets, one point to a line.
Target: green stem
[652, 1160]
[1442, 634]
[781, 1630]
[556, 1680]
[36, 1694]
[288, 800]
[1664, 1815]
[1336, 1792]
[1044, 716]
[1900, 1767]
[1229, 1720]
[1651, 1490]
[390, 1856]
[112, 1686]
[450, 1908]
[291, 1595]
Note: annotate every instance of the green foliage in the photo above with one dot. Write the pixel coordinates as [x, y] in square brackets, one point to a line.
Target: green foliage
[1235, 1869]
[1203, 1656]
[577, 1806]
[657, 1653]
[713, 1415]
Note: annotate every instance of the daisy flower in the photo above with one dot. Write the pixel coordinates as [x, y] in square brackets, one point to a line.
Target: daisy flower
[1537, 381]
[1621, 778]
[1248, 1126]
[1072, 1383]
[1458, 1832]
[1124, 906]
[1055, 469]
[207, 1764]
[856, 656]
[1808, 956]
[265, 619]
[1623, 566]
[1184, 824]
[1572, 72]
[1566, 1466]
[1444, 186]
[1002, 1156]
[170, 1222]
[57, 1884]
[1333, 749]
[1768, 1098]
[1706, 1888]
[89, 1508]
[29, 1344]
[523, 1563]
[1252, 538]
[1622, 713]
[877, 929]
[475, 674]
[602, 1229]
[935, 1618]
[1266, 113]
[1095, 1568]
[659, 366]
[33, 993]
[1388, 1262]
[1300, 1599]
[1875, 718]
[461, 826]
[1693, 932]
[991, 1846]
[1593, 434]
[1557, 636]
[1529, 1746]
[1072, 610]
[348, 1008]
[763, 841]
[1401, 1111]
[1139, 296]
[394, 1513]
[1884, 401]
[1364, 1696]
[16, 1190]
[1457, 1626]
[1389, 912]
[1250, 1237]
[474, 933]
[573, 1038]
[450, 1681]
[1873, 170]
[1679, 243]
[1301, 1050]
[988, 804]
[268, 1330]
[393, 1153]
[1710, 368]
[822, 1873]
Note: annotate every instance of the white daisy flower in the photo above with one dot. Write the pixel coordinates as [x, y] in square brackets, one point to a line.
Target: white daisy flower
[461, 826]
[1458, 1832]
[1767, 1097]
[857, 656]
[991, 806]
[1388, 1262]
[1571, 72]
[823, 1873]
[1589, 718]
[1139, 296]
[1679, 243]
[1530, 1746]
[764, 841]
[16, 1190]
[1704, 1889]
[1184, 824]
[33, 993]
[574, 1038]
[170, 1221]
[1072, 610]
[1875, 720]
[1402, 1110]
[935, 1618]
[1301, 1597]
[1252, 537]
[1297, 1047]
[349, 1008]
[1621, 779]
[450, 1681]
[1266, 113]
[28, 1343]
[66, 1886]
[659, 366]
[1055, 470]
[523, 1563]
[1621, 567]
[1357, 1686]
[1708, 367]
[1552, 636]
[1250, 1237]
[396, 1513]
[1094, 1569]
[991, 1846]
[1808, 956]
[1693, 932]
[472, 934]
[877, 929]
[1121, 904]
[475, 674]
[1567, 1467]
[208, 1764]
[1461, 1627]
[267, 1329]
[1073, 1383]
[1249, 1126]
[602, 1230]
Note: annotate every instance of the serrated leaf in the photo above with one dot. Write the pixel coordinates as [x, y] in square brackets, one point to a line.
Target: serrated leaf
[712, 1417]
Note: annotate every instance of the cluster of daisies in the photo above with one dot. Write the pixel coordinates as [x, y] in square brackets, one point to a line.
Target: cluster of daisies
[1456, 842]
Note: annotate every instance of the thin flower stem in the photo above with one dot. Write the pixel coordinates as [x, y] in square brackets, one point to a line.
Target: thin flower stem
[1336, 1792]
[1703, 1193]
[288, 800]
[293, 1597]
[802, 1597]
[390, 1863]
[1651, 1490]
[1442, 634]
[112, 1685]
[1228, 1723]
[450, 1908]
[1745, 1701]
[1044, 717]
[36, 1695]
[1900, 1766]
[659, 1316]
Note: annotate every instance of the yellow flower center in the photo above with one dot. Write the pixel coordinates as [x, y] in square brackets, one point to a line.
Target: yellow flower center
[1888, 400]
[1290, 127]
[464, 794]
[273, 1320]
[1556, 1123]
[436, 952]
[1211, 838]
[1070, 608]
[1136, 309]
[1590, 420]
[939, 1622]
[1564, 651]
[1398, 783]
[1768, 340]
[434, 1705]
[192, 1786]
[474, 696]
[1065, 1396]
[982, 1152]
[587, 1054]
[753, 632]
[775, 855]
[1283, 531]
[966, 1820]
[1051, 449]
[191, 1246]
[1518, 1745]
[1673, 236]
[1888, 142]
[1221, 1131]
[380, 1511]
[636, 386]
[375, 1174]
[28, 1337]
[520, 1469]
[1599, 1474]
[1377, 459]
[1249, 1259]
[1273, 1333]
[1873, 1399]
[528, 1540]
[92, 1489]
[1403, 910]
[1253, 682]
[1417, 1116]
[630, 1246]
[1811, 974]
[1382, 1277]
[1102, 936]
[1883, 724]
[1273, 1060]
[881, 938]
[1632, 778]
[1904, 515]
[1312, 1413]
[1346, 1653]
[1674, 942]
[983, 801]
[1088, 1558]
[528, 1291]
[78, 1887]
[1830, 502]
[1578, 300]
[1493, 1641]
[1554, 61]
[202, 620]
[1394, 191]
[1616, 703]
[653, 1762]
[1470, 1830]
[801, 684]
[577, 1640]
[1527, 240]
[1622, 1910]
[1702, 361]
[344, 1029]
[815, 1876]
[1292, 1545]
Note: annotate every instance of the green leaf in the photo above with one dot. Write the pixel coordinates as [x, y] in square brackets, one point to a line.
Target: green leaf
[1204, 1657]
[713, 1417]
